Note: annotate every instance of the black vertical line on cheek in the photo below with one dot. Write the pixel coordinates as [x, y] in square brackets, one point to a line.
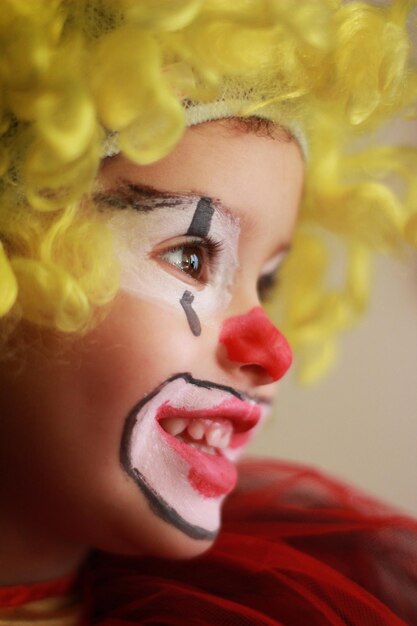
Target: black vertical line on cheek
[199, 227]
[201, 222]
[192, 317]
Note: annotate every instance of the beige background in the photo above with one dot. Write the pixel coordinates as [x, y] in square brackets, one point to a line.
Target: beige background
[360, 423]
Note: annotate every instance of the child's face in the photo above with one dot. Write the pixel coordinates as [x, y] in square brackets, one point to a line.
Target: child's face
[126, 440]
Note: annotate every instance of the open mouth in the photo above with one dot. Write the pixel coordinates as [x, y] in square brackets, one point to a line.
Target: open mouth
[209, 439]
[203, 434]
[180, 444]
[215, 430]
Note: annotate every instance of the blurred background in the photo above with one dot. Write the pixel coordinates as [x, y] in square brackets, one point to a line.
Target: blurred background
[360, 423]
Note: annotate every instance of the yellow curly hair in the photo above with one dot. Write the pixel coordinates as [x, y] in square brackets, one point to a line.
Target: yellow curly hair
[74, 71]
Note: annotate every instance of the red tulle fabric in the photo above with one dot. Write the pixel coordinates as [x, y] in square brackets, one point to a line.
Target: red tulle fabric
[296, 548]
[17, 595]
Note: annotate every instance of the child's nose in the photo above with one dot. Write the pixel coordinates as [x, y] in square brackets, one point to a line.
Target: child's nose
[252, 340]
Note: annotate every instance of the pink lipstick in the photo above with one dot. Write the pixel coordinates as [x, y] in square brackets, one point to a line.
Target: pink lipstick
[179, 446]
[211, 473]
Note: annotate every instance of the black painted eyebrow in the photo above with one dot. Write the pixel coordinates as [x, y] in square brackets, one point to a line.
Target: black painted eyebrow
[201, 222]
[143, 198]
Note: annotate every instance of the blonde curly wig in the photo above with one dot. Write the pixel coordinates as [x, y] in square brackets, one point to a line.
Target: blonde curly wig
[74, 72]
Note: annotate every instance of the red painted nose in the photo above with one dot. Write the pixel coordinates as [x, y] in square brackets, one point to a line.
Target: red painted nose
[252, 339]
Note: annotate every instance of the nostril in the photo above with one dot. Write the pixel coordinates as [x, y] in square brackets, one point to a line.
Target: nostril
[257, 374]
[252, 340]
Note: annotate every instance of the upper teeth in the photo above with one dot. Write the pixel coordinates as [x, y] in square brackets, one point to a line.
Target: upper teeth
[216, 434]
[196, 429]
[174, 425]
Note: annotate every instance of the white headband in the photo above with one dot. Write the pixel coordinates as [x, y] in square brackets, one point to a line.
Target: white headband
[219, 109]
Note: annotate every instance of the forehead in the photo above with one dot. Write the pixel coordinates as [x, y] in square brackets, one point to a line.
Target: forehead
[258, 178]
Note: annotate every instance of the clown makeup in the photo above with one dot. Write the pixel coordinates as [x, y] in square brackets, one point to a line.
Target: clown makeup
[177, 250]
[139, 421]
[196, 430]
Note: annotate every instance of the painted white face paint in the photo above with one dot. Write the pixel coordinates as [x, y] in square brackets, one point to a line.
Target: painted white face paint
[186, 479]
[195, 429]
[138, 231]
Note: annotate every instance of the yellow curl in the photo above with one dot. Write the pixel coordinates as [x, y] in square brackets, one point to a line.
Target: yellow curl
[74, 72]
[8, 293]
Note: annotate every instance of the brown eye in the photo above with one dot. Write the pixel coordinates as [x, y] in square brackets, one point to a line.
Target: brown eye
[193, 261]
[190, 259]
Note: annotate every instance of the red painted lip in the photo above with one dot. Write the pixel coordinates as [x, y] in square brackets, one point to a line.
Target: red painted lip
[212, 475]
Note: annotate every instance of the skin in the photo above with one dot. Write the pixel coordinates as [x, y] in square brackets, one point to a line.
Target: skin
[62, 486]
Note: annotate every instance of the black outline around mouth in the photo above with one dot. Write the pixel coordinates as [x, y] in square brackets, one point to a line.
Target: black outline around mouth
[165, 511]
[157, 504]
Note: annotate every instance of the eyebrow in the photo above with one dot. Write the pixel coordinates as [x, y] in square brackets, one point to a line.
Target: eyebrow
[144, 198]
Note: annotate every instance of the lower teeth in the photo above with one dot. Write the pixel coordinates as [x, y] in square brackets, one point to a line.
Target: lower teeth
[201, 447]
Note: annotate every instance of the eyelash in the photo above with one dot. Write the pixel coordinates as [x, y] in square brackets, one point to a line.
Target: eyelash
[266, 282]
[209, 246]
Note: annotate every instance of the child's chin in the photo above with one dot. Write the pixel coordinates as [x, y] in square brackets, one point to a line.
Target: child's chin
[176, 545]
[162, 541]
